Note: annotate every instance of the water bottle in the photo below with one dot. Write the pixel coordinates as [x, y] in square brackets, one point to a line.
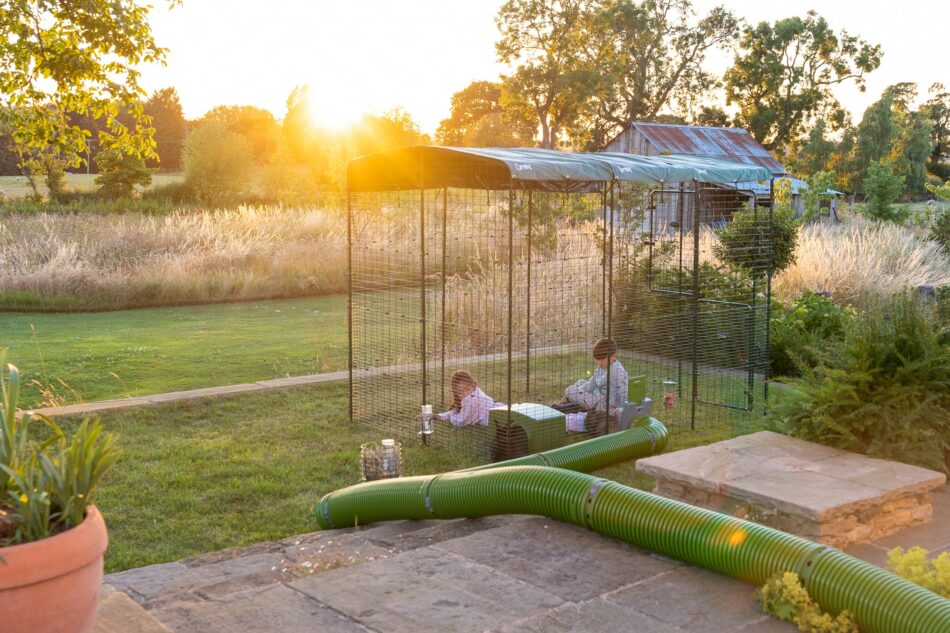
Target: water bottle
[427, 419]
[389, 456]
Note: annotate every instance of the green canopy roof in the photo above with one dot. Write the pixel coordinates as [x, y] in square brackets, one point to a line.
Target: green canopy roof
[429, 167]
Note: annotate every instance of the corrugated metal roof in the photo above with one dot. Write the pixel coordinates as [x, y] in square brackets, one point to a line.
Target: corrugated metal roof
[732, 144]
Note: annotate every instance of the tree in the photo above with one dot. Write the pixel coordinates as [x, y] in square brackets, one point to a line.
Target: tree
[58, 58]
[711, 116]
[890, 131]
[815, 153]
[217, 162]
[469, 105]
[882, 186]
[170, 125]
[553, 79]
[650, 58]
[818, 185]
[121, 173]
[911, 150]
[783, 73]
[378, 133]
[937, 108]
[257, 125]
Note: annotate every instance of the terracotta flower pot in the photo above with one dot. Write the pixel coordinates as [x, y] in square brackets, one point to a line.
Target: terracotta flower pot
[52, 585]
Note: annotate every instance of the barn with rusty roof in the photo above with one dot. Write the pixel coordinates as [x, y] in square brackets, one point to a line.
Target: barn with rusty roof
[732, 144]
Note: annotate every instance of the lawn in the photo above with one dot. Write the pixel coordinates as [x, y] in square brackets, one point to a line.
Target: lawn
[18, 186]
[210, 474]
[96, 356]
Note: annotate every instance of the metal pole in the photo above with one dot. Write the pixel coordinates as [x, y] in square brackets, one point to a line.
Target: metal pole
[750, 353]
[349, 292]
[603, 265]
[422, 283]
[768, 296]
[445, 212]
[527, 352]
[695, 386]
[609, 287]
[679, 288]
[511, 248]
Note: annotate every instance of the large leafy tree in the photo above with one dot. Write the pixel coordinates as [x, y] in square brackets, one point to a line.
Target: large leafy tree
[477, 119]
[782, 75]
[553, 79]
[60, 58]
[650, 59]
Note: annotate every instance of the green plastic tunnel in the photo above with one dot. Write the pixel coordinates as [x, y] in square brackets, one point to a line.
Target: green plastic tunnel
[880, 601]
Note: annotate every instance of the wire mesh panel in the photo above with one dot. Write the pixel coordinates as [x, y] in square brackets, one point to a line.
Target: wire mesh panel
[455, 290]
[692, 308]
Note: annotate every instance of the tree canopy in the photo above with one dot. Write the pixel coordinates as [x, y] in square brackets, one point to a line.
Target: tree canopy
[782, 76]
[63, 58]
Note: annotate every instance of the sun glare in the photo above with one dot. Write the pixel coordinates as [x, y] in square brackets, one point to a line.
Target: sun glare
[332, 115]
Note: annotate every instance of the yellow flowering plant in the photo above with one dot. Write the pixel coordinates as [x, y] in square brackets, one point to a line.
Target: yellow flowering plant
[45, 484]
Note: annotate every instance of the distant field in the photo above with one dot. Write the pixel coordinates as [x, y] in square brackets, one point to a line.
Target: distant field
[18, 186]
[98, 356]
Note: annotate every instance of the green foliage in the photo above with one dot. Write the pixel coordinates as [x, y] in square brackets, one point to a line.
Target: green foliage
[785, 598]
[750, 243]
[883, 390]
[818, 183]
[915, 566]
[798, 332]
[217, 162]
[45, 484]
[63, 59]
[781, 76]
[937, 109]
[882, 186]
[258, 127]
[121, 173]
[168, 119]
[940, 229]
[941, 191]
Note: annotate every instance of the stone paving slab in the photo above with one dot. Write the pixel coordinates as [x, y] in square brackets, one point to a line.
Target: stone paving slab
[278, 608]
[117, 613]
[598, 615]
[697, 601]
[427, 589]
[566, 560]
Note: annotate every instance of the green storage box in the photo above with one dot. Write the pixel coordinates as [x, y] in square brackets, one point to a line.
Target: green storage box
[534, 427]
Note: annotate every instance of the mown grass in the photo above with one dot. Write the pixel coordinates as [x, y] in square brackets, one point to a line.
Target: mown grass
[97, 356]
[210, 474]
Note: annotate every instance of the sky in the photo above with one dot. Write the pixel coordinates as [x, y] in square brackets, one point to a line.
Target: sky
[373, 55]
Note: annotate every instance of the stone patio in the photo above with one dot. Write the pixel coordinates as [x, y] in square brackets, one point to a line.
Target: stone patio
[821, 493]
[503, 574]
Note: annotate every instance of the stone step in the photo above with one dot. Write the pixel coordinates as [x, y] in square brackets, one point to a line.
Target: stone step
[118, 613]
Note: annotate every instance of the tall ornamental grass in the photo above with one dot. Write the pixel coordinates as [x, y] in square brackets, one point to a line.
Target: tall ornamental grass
[131, 260]
[859, 261]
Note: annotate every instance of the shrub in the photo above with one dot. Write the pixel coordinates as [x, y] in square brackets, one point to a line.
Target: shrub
[121, 173]
[883, 390]
[913, 565]
[800, 330]
[882, 186]
[785, 598]
[940, 229]
[217, 162]
[744, 242]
